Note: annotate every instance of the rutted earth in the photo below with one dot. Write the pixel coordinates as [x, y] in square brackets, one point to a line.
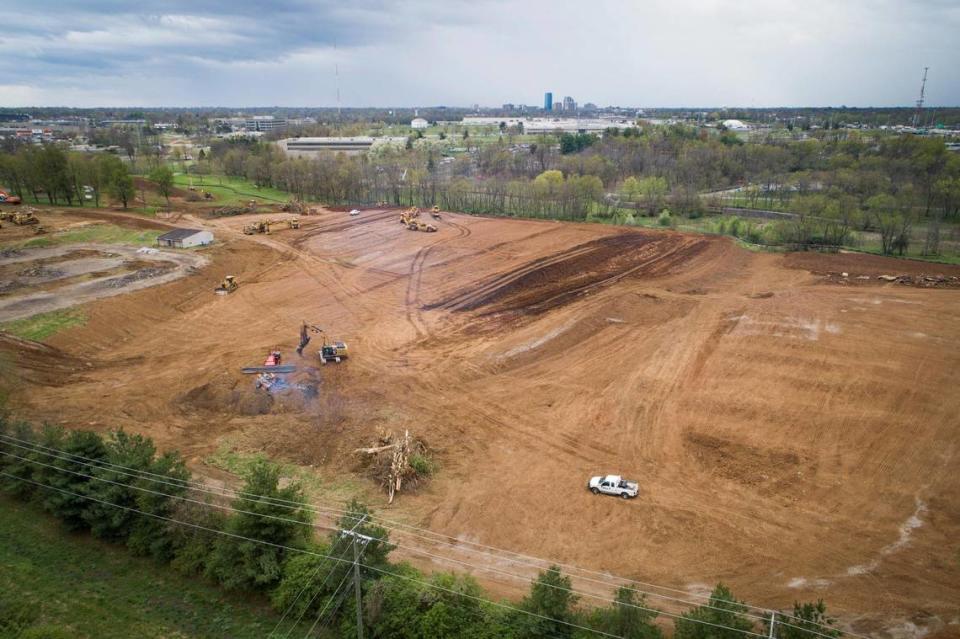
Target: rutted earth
[783, 428]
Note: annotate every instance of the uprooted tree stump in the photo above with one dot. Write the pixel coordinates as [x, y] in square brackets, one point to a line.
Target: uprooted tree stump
[391, 461]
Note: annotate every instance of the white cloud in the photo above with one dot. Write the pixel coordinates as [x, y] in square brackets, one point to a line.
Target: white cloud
[654, 53]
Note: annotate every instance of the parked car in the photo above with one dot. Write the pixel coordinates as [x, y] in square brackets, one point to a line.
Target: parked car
[613, 485]
[355, 212]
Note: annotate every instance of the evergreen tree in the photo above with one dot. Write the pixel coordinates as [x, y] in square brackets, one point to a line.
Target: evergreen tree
[550, 603]
[150, 535]
[810, 621]
[128, 455]
[69, 485]
[721, 618]
[239, 563]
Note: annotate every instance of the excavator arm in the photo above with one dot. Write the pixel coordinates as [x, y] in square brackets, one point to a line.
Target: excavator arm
[305, 330]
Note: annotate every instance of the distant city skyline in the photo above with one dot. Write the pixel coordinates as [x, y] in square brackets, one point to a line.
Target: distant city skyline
[676, 53]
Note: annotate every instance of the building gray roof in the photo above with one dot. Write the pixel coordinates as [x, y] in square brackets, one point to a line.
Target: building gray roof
[179, 234]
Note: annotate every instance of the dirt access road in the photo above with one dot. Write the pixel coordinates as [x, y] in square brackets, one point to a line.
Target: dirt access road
[794, 437]
[39, 280]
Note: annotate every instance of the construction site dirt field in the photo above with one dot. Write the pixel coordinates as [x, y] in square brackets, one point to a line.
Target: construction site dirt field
[792, 436]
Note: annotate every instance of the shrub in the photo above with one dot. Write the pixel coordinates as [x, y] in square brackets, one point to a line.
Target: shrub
[423, 465]
[15, 615]
[665, 219]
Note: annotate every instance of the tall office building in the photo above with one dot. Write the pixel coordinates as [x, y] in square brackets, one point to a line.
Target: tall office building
[548, 101]
[569, 104]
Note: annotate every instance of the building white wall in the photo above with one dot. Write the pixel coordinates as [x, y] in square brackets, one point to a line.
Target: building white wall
[200, 238]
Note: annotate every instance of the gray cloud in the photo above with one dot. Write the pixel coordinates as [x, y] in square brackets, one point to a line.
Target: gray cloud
[646, 53]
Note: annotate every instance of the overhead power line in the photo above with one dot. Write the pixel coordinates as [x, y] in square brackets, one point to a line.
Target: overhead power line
[309, 552]
[203, 488]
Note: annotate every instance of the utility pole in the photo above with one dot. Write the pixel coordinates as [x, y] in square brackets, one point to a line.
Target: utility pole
[357, 540]
[923, 88]
[356, 586]
[773, 621]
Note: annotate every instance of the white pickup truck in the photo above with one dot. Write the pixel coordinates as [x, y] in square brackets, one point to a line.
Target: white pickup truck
[613, 485]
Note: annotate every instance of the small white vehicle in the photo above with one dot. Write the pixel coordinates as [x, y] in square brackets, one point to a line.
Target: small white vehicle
[354, 213]
[613, 485]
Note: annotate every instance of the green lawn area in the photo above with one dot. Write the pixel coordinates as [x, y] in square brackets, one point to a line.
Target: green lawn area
[41, 326]
[228, 190]
[75, 586]
[101, 233]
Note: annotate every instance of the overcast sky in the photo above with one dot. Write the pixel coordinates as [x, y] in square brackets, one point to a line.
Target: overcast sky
[460, 52]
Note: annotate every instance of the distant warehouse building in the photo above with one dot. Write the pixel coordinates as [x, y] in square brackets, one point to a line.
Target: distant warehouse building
[185, 238]
[419, 123]
[311, 147]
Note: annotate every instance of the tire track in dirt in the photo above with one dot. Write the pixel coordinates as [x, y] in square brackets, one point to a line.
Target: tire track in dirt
[414, 305]
[465, 300]
[559, 297]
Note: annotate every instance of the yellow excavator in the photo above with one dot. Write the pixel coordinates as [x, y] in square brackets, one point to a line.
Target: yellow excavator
[329, 352]
[227, 286]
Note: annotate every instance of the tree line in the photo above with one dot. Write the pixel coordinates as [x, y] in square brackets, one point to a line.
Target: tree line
[49, 174]
[119, 488]
[829, 185]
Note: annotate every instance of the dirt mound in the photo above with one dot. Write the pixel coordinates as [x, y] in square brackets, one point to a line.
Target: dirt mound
[126, 220]
[31, 362]
[863, 268]
[225, 396]
[769, 470]
[556, 279]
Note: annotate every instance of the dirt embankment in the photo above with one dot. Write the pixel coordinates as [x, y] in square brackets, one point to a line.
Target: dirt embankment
[864, 269]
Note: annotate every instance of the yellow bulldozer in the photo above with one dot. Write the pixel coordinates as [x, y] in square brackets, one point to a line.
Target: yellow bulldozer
[227, 286]
[24, 218]
[263, 226]
[435, 212]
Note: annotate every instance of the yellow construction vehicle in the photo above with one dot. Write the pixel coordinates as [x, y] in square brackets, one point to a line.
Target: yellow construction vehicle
[263, 226]
[435, 212]
[227, 286]
[329, 352]
[24, 218]
[417, 225]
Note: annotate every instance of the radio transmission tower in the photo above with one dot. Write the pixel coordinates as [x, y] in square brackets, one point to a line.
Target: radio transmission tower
[923, 88]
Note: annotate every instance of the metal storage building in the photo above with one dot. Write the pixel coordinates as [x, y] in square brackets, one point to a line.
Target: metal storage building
[185, 238]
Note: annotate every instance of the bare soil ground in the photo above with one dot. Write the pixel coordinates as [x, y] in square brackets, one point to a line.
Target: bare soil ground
[793, 437]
